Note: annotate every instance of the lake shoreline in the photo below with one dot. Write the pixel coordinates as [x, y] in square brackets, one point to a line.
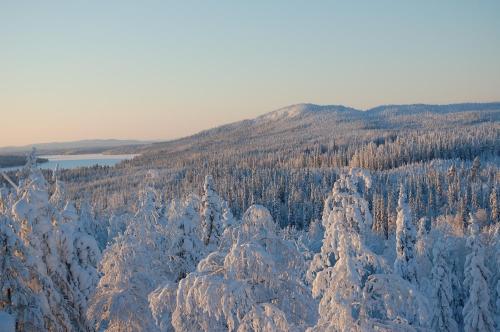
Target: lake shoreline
[7, 161]
[74, 161]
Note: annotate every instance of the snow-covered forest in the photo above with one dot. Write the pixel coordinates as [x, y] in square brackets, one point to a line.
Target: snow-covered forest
[309, 218]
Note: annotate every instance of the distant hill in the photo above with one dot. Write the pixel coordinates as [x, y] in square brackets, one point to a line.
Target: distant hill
[74, 147]
[292, 155]
[309, 124]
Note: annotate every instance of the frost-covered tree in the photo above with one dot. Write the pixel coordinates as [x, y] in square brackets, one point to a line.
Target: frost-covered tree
[33, 213]
[358, 293]
[77, 251]
[59, 195]
[91, 224]
[341, 287]
[211, 211]
[496, 262]
[184, 223]
[495, 216]
[477, 312]
[136, 263]
[391, 303]
[256, 281]
[423, 253]
[476, 165]
[162, 303]
[340, 276]
[405, 264]
[143, 265]
[117, 224]
[345, 197]
[227, 216]
[265, 317]
[20, 283]
[80, 254]
[60, 261]
[442, 290]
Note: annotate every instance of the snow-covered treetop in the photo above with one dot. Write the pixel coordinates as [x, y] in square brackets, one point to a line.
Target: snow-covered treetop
[406, 238]
[256, 274]
[208, 185]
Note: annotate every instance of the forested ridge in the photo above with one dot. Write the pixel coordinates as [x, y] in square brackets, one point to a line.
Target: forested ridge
[308, 218]
[288, 160]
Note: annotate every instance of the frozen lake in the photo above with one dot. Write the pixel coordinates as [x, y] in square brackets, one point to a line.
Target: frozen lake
[78, 160]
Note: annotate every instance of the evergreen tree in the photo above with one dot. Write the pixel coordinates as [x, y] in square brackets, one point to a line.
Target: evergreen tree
[254, 280]
[211, 214]
[405, 264]
[476, 312]
[495, 217]
[474, 171]
[442, 290]
[20, 283]
[65, 260]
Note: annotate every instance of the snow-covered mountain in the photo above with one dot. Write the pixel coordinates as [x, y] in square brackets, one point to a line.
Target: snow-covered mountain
[303, 110]
[307, 124]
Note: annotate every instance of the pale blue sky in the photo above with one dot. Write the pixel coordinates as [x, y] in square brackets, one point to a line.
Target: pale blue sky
[159, 69]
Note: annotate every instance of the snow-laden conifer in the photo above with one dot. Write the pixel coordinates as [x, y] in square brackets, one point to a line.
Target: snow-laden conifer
[442, 289]
[405, 264]
[477, 312]
[256, 280]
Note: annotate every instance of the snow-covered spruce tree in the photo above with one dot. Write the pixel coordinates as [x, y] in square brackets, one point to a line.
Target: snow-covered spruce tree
[34, 214]
[64, 262]
[498, 303]
[344, 194]
[405, 264]
[80, 254]
[443, 291]
[136, 263]
[184, 220]
[496, 262]
[313, 238]
[227, 216]
[356, 292]
[265, 317]
[91, 224]
[391, 303]
[117, 225]
[59, 196]
[211, 211]
[78, 251]
[255, 284]
[494, 215]
[477, 312]
[159, 247]
[341, 287]
[345, 262]
[20, 284]
[3, 199]
[187, 246]
[423, 253]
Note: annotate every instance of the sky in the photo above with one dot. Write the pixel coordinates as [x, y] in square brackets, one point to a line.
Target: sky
[73, 70]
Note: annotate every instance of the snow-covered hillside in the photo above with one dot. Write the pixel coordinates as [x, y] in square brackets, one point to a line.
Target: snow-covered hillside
[289, 165]
[190, 265]
[311, 218]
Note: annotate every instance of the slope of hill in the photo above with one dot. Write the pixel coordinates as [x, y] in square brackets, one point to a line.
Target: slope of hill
[308, 124]
[288, 160]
